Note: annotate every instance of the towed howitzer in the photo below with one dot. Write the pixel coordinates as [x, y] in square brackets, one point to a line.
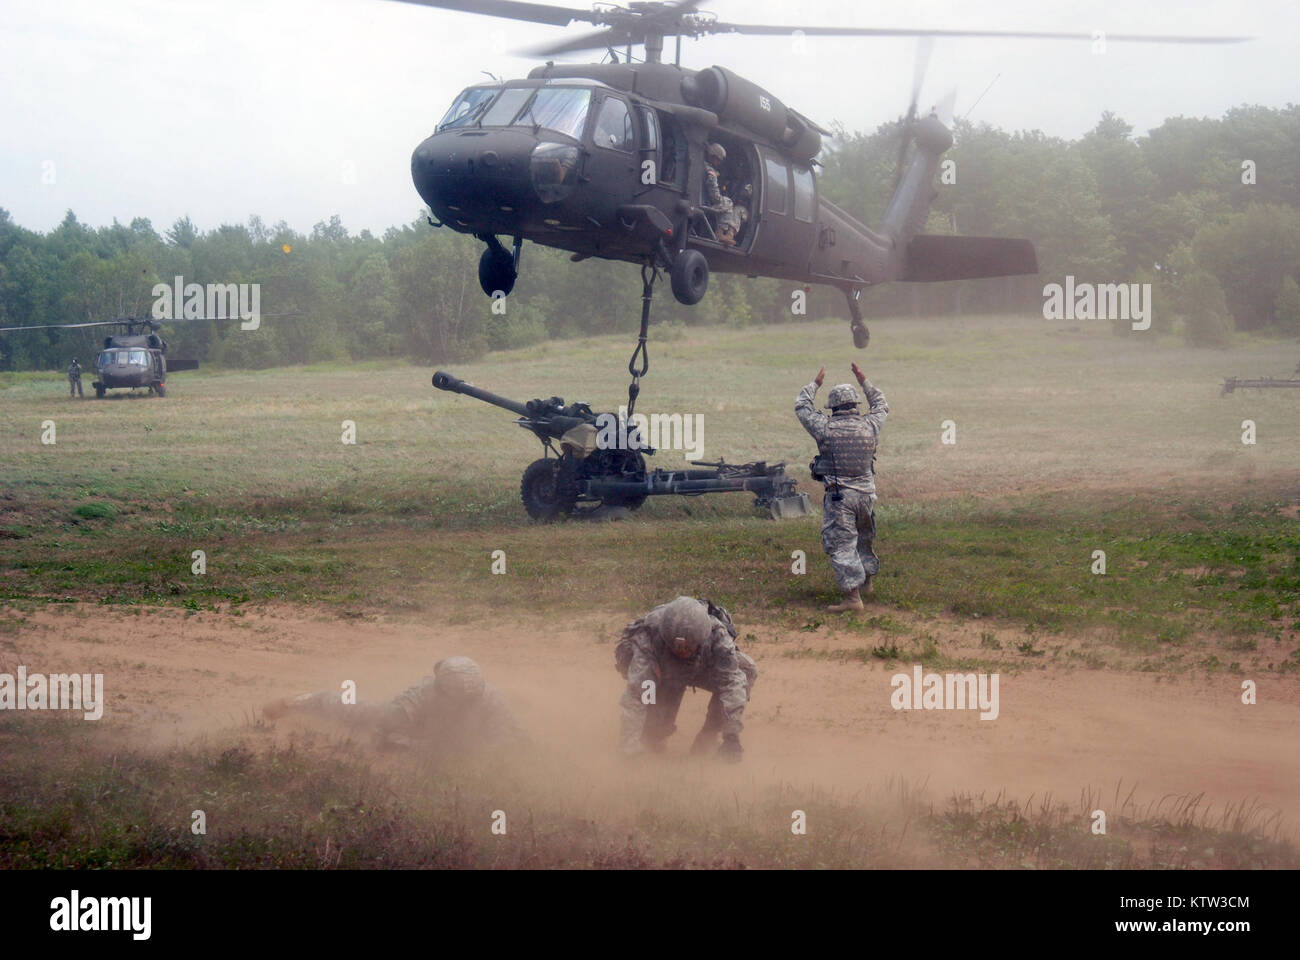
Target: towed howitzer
[578, 474]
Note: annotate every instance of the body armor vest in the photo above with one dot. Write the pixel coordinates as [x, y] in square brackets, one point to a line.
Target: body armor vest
[849, 449]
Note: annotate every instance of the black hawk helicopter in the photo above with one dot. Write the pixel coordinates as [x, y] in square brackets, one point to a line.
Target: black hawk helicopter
[610, 160]
[129, 361]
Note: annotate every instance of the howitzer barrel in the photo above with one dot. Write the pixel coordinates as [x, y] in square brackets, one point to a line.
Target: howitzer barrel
[445, 381]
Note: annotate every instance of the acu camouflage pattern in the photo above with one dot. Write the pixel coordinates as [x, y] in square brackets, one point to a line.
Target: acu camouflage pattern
[846, 437]
[463, 714]
[841, 394]
[848, 440]
[848, 530]
[645, 653]
[728, 215]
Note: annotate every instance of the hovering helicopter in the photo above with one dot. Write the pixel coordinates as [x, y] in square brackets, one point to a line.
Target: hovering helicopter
[128, 361]
[610, 160]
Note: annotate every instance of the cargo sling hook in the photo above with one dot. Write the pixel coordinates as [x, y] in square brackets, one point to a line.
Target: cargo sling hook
[639, 365]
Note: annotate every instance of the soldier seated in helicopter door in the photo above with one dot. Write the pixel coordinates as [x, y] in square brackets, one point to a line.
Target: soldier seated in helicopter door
[725, 218]
[739, 188]
[727, 193]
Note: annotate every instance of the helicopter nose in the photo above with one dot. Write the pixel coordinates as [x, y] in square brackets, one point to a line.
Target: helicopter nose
[475, 178]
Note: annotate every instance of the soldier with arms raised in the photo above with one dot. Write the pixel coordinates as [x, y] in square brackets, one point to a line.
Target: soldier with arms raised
[846, 446]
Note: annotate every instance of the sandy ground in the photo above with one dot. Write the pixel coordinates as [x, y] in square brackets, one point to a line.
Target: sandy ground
[170, 675]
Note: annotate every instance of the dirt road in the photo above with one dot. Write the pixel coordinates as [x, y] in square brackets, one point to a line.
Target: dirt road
[170, 675]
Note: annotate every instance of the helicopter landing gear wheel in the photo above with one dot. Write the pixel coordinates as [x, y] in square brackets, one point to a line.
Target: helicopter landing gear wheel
[100, 390]
[545, 493]
[160, 389]
[496, 271]
[690, 277]
[861, 335]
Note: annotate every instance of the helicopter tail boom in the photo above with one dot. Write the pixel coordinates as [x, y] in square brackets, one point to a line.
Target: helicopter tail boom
[931, 257]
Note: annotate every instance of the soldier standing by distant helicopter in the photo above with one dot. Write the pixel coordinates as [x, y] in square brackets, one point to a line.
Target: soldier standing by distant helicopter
[846, 448]
[74, 380]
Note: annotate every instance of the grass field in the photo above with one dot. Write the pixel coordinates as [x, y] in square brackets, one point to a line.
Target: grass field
[1068, 441]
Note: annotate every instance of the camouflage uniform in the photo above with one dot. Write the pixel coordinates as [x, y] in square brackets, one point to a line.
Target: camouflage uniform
[727, 213]
[847, 440]
[74, 379]
[646, 652]
[454, 709]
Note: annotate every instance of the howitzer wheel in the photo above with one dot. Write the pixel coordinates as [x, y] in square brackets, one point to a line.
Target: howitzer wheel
[544, 491]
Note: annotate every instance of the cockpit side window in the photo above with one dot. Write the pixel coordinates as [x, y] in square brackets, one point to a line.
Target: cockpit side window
[613, 125]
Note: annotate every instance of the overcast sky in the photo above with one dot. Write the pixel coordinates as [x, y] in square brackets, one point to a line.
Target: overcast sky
[298, 109]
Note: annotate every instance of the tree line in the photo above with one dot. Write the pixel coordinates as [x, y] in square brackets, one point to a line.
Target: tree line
[1205, 210]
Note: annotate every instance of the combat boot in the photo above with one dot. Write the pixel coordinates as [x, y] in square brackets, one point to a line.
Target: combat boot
[852, 601]
[731, 750]
[703, 741]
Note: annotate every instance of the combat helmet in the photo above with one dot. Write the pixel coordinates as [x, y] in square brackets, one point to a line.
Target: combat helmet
[842, 395]
[686, 626]
[459, 679]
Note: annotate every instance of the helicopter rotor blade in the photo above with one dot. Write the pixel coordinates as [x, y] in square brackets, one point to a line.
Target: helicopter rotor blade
[514, 10]
[624, 27]
[597, 40]
[945, 107]
[920, 64]
[769, 30]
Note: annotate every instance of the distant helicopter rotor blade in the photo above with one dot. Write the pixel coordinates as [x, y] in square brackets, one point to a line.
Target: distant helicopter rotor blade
[66, 326]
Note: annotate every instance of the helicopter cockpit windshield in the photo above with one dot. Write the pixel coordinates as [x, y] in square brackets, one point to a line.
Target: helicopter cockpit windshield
[562, 109]
[135, 358]
[468, 106]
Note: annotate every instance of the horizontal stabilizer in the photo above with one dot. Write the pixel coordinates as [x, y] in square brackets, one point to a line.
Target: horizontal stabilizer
[932, 257]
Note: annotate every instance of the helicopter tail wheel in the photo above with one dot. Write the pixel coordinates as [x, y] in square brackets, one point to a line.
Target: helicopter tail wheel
[496, 271]
[861, 335]
[690, 277]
